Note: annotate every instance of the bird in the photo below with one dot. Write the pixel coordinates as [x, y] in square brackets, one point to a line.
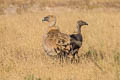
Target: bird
[77, 40]
[55, 43]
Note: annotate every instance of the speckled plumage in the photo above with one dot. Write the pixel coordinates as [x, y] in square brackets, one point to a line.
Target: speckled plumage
[55, 42]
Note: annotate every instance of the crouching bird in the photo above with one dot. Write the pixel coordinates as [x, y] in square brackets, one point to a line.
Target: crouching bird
[77, 40]
[55, 43]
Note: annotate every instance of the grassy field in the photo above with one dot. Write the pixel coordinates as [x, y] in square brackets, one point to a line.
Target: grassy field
[21, 53]
[19, 6]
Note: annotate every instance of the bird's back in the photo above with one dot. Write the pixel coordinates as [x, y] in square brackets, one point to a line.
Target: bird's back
[77, 37]
[54, 41]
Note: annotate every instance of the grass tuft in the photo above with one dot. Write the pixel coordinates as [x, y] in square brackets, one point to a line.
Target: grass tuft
[117, 58]
[31, 77]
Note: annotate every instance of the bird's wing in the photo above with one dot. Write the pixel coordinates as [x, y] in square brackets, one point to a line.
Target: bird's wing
[73, 36]
[57, 42]
[63, 41]
[77, 37]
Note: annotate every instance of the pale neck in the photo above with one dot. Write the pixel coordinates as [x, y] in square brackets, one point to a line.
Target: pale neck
[78, 28]
[52, 23]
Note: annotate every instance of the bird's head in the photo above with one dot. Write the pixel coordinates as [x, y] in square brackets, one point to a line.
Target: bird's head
[51, 19]
[81, 23]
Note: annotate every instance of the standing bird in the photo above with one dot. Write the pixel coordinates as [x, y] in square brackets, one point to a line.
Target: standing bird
[55, 43]
[77, 40]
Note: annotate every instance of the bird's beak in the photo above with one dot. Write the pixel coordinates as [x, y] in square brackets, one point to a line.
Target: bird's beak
[86, 23]
[45, 19]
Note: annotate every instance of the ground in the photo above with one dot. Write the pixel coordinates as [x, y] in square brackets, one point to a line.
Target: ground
[22, 56]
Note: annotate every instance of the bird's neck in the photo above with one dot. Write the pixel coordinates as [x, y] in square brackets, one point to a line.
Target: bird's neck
[51, 24]
[52, 28]
[78, 29]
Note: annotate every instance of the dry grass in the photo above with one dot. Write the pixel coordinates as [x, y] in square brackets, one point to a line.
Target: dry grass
[22, 56]
[19, 6]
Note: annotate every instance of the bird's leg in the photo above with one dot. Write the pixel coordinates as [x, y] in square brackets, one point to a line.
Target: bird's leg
[75, 57]
[66, 56]
[71, 55]
[72, 59]
[61, 56]
[61, 60]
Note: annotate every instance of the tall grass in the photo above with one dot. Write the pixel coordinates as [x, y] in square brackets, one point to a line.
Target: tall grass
[21, 51]
[20, 6]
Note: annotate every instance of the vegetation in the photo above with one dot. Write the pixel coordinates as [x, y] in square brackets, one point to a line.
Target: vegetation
[21, 31]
